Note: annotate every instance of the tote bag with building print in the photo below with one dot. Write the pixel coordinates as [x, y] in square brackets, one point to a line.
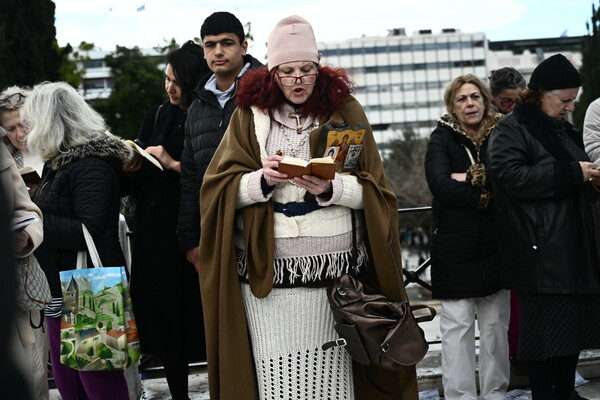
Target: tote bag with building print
[97, 326]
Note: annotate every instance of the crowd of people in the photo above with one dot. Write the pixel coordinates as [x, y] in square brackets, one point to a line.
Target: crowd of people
[231, 258]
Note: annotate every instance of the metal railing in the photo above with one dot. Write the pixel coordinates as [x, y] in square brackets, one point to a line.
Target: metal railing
[415, 276]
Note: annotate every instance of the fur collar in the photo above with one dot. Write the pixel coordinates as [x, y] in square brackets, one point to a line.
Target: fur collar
[104, 147]
[452, 123]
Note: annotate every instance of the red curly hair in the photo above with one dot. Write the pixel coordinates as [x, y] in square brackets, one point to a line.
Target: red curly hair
[258, 88]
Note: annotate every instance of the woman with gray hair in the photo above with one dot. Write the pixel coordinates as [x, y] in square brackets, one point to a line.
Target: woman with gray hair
[81, 183]
[544, 183]
[11, 101]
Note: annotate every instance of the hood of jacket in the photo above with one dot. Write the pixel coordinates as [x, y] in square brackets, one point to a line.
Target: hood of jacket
[103, 147]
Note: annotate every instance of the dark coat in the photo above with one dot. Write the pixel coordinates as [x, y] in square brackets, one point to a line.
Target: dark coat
[542, 203]
[82, 185]
[464, 258]
[159, 265]
[206, 124]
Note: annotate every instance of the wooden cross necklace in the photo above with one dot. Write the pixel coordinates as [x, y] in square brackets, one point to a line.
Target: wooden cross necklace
[297, 115]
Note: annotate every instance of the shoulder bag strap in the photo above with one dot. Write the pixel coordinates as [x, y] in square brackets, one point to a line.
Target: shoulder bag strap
[91, 247]
[469, 154]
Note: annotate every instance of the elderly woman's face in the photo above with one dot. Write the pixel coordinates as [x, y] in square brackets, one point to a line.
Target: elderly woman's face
[296, 80]
[468, 106]
[11, 122]
[556, 103]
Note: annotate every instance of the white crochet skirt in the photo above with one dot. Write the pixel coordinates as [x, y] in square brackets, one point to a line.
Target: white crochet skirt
[287, 329]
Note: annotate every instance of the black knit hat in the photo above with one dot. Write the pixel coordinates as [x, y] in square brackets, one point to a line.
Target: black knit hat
[222, 22]
[553, 73]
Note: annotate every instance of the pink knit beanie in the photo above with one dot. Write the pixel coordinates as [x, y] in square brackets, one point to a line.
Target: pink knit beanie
[292, 40]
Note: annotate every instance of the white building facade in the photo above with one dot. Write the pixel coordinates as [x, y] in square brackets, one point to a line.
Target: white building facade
[401, 79]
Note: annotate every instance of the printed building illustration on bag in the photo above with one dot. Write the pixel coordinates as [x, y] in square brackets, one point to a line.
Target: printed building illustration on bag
[98, 330]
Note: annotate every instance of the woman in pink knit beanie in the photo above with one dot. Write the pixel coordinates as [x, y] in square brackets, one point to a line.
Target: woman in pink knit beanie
[265, 271]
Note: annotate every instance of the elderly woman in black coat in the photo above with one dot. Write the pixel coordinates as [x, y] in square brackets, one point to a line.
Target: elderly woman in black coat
[543, 182]
[465, 272]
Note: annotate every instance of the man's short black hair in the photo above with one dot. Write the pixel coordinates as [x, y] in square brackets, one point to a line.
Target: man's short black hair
[222, 22]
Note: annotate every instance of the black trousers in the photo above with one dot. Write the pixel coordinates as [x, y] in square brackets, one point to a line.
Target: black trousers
[553, 379]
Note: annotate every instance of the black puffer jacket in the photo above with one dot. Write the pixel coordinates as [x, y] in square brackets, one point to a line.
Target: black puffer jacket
[83, 185]
[205, 126]
[542, 203]
[464, 258]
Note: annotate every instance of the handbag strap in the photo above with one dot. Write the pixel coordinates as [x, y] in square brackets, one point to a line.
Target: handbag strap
[424, 318]
[91, 248]
[469, 154]
[354, 264]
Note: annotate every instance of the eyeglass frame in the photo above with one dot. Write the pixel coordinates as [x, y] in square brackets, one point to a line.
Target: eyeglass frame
[507, 102]
[8, 100]
[296, 78]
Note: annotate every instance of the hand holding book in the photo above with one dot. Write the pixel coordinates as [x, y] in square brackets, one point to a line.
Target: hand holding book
[323, 168]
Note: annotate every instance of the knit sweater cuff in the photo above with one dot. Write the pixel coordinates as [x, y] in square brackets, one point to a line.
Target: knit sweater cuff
[250, 190]
[346, 192]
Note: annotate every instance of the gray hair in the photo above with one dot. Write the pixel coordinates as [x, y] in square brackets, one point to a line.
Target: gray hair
[58, 118]
[5, 105]
[506, 78]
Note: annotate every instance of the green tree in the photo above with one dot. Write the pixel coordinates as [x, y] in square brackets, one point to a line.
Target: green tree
[137, 87]
[30, 53]
[102, 351]
[403, 164]
[590, 68]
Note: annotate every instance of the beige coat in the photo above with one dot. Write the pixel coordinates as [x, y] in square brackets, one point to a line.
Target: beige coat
[20, 203]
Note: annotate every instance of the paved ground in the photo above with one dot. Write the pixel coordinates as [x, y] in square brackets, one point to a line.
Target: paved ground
[157, 389]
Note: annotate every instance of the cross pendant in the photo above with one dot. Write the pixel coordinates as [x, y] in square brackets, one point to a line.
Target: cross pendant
[298, 124]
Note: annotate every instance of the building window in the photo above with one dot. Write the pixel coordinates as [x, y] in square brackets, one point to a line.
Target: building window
[93, 84]
[88, 64]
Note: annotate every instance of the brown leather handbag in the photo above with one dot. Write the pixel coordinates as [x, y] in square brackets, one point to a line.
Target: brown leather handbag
[373, 329]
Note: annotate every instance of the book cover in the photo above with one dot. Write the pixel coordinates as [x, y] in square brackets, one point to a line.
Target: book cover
[144, 154]
[323, 167]
[29, 175]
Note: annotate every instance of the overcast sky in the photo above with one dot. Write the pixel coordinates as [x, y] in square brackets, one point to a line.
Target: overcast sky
[108, 23]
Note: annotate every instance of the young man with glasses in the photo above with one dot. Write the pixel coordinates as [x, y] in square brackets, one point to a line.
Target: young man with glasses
[225, 51]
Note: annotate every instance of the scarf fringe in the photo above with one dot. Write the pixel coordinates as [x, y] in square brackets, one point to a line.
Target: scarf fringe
[309, 269]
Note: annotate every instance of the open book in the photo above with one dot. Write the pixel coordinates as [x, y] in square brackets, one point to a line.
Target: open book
[324, 167]
[144, 153]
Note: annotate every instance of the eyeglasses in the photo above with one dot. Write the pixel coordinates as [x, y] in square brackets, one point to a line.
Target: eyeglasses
[12, 99]
[307, 79]
[506, 102]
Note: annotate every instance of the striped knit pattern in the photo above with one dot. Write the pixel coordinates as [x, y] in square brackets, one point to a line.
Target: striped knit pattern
[287, 329]
[313, 248]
